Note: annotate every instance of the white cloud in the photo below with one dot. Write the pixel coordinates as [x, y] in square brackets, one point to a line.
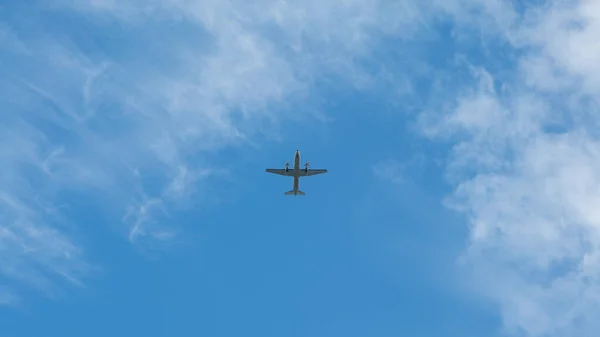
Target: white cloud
[33, 250]
[526, 167]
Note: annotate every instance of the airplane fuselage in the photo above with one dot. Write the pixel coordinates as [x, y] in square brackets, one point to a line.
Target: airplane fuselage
[297, 161]
[296, 187]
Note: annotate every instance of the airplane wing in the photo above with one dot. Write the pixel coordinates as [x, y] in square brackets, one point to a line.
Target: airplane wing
[281, 172]
[312, 172]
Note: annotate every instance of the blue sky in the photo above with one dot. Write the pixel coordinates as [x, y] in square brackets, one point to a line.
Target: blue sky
[460, 137]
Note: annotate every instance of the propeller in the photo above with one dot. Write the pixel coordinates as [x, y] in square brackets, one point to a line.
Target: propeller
[306, 166]
[287, 165]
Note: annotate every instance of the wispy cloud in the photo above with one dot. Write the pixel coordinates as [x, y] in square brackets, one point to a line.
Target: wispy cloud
[120, 109]
[526, 170]
[399, 172]
[7, 296]
[238, 72]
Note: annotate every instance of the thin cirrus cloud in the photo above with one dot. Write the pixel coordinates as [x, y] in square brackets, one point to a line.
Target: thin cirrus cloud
[139, 90]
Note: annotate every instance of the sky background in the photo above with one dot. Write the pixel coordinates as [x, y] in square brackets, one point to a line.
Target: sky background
[461, 139]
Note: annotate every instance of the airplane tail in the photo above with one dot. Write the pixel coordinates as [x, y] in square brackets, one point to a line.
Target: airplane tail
[294, 192]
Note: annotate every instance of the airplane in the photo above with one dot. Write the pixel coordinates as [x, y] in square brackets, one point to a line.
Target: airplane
[296, 172]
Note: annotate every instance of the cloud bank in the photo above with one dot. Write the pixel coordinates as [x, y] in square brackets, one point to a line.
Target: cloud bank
[525, 163]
